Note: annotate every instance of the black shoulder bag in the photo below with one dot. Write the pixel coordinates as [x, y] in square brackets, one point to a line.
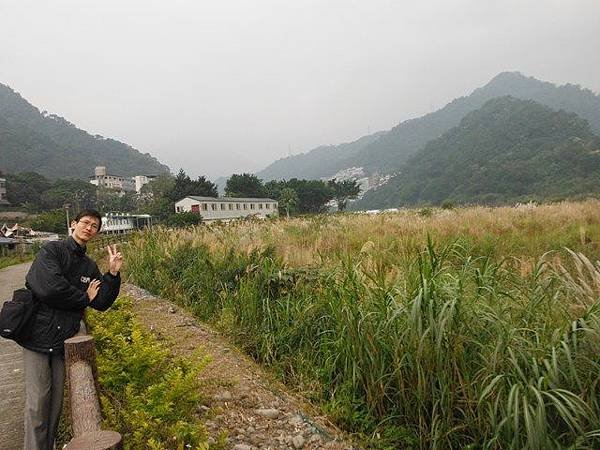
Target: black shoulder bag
[16, 313]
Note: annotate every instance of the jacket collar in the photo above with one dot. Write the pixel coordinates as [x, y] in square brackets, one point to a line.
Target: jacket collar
[75, 247]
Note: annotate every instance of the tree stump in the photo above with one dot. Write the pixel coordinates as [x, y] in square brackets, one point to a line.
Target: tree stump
[80, 361]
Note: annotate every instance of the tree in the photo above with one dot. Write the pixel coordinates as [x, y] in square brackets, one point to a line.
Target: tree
[52, 221]
[184, 187]
[80, 194]
[244, 185]
[111, 200]
[313, 195]
[27, 188]
[272, 189]
[155, 197]
[344, 191]
[288, 199]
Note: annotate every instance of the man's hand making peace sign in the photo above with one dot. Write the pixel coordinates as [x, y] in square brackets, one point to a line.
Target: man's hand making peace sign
[115, 259]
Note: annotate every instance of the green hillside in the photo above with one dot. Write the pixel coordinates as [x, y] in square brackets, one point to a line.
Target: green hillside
[390, 150]
[509, 150]
[393, 149]
[55, 148]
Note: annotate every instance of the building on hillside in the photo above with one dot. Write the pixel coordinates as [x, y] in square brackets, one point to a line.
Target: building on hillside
[227, 208]
[116, 182]
[122, 222]
[3, 198]
[140, 180]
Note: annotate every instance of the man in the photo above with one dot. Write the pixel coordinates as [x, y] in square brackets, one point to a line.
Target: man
[64, 281]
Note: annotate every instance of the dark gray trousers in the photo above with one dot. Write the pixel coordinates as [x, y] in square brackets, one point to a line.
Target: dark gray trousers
[44, 387]
[44, 390]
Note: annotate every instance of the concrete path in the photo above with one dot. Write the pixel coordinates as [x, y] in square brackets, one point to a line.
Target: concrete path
[12, 394]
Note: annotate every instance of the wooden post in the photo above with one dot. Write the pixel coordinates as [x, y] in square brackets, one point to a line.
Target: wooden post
[80, 362]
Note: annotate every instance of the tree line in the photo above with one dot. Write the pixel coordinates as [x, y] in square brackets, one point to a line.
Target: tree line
[48, 199]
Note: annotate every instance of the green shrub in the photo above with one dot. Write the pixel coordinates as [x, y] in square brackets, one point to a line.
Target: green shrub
[54, 221]
[147, 395]
[184, 219]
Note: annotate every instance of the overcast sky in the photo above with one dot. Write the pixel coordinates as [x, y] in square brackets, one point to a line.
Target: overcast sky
[221, 87]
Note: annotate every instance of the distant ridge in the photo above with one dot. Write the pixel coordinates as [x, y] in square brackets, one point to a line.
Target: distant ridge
[52, 146]
[318, 163]
[386, 152]
[508, 150]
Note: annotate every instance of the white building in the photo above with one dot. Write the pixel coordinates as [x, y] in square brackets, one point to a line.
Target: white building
[140, 180]
[227, 208]
[101, 178]
[121, 222]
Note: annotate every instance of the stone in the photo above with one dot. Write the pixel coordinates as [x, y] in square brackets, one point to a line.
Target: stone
[296, 420]
[298, 441]
[269, 413]
[242, 447]
[314, 439]
[224, 396]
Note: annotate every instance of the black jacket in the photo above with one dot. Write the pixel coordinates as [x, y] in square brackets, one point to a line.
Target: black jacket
[59, 278]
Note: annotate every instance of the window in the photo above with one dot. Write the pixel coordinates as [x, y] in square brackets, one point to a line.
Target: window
[204, 206]
[268, 206]
[213, 206]
[222, 206]
[245, 205]
[238, 206]
[230, 206]
[251, 205]
[260, 206]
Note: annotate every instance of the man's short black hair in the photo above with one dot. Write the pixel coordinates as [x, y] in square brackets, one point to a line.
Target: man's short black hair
[89, 213]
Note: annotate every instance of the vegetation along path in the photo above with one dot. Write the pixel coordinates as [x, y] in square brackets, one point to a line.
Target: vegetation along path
[254, 409]
[12, 393]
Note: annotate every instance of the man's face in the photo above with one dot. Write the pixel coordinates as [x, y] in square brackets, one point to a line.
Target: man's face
[85, 229]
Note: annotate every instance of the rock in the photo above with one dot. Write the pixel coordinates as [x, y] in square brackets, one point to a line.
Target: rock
[224, 396]
[269, 413]
[296, 420]
[242, 447]
[298, 441]
[314, 439]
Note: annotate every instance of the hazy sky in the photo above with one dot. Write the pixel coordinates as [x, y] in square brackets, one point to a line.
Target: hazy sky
[218, 87]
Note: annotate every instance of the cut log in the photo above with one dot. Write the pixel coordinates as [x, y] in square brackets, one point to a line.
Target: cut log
[80, 360]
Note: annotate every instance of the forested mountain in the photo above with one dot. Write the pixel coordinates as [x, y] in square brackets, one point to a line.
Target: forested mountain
[318, 163]
[386, 152]
[52, 146]
[508, 150]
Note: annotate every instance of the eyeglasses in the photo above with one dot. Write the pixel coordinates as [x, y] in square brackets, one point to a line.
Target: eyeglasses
[88, 224]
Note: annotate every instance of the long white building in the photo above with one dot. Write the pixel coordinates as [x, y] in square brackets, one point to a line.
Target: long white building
[227, 208]
[122, 222]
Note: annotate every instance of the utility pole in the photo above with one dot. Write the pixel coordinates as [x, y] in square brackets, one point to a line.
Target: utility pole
[67, 206]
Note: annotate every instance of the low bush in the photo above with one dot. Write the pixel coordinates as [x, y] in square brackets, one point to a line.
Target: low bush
[147, 395]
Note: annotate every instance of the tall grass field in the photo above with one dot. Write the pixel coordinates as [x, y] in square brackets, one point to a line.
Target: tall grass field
[445, 329]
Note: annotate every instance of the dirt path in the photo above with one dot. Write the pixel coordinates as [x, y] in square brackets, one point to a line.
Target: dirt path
[255, 410]
[12, 387]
